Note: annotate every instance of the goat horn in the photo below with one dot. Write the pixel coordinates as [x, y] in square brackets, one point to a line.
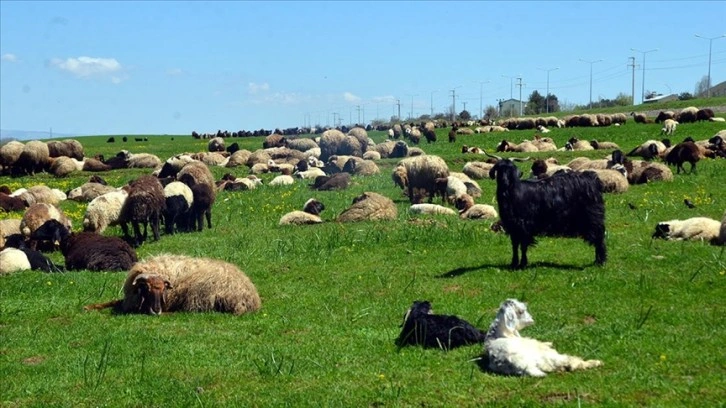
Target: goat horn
[491, 155]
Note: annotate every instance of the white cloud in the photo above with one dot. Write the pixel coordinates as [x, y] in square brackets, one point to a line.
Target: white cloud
[256, 88]
[10, 58]
[349, 97]
[88, 67]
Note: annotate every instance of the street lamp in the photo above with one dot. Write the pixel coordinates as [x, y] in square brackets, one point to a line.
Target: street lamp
[642, 98]
[481, 108]
[511, 85]
[547, 100]
[590, 62]
[432, 104]
[710, 42]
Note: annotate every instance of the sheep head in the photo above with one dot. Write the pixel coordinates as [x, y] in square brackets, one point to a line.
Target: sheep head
[313, 206]
[151, 290]
[418, 309]
[511, 317]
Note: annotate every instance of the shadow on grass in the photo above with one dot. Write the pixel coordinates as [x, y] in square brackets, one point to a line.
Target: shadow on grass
[460, 271]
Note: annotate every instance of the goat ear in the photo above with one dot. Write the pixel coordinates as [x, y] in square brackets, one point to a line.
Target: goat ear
[510, 319]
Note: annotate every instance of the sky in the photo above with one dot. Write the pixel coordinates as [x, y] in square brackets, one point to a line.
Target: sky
[165, 67]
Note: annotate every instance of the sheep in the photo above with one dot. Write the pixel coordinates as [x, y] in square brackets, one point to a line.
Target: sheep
[33, 158]
[687, 115]
[339, 181]
[449, 188]
[694, 229]
[470, 211]
[89, 191]
[542, 129]
[371, 155]
[196, 173]
[641, 172]
[421, 327]
[283, 180]
[104, 211]
[597, 145]
[663, 115]
[429, 133]
[202, 202]
[370, 206]
[178, 283]
[566, 204]
[525, 146]
[421, 174]
[38, 261]
[9, 203]
[544, 144]
[94, 252]
[50, 234]
[614, 180]
[361, 167]
[215, 145]
[506, 352]
[540, 169]
[141, 160]
[430, 209]
[472, 187]
[477, 170]
[69, 148]
[42, 194]
[13, 260]
[669, 127]
[145, 204]
[10, 153]
[63, 166]
[686, 151]
[330, 141]
[9, 227]
[639, 117]
[94, 165]
[37, 214]
[575, 144]
[648, 149]
[311, 173]
[274, 140]
[238, 158]
[309, 215]
[722, 231]
[232, 183]
[302, 144]
[179, 201]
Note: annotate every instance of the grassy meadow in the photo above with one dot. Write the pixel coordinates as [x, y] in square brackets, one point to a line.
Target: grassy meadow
[333, 297]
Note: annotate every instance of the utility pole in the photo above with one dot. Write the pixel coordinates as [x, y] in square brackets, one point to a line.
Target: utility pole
[453, 110]
[334, 120]
[398, 103]
[358, 108]
[481, 94]
[632, 92]
[547, 99]
[432, 104]
[590, 62]
[511, 86]
[464, 105]
[521, 108]
[642, 98]
[710, 43]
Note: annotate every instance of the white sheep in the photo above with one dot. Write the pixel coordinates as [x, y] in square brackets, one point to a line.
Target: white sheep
[282, 180]
[506, 352]
[430, 209]
[694, 229]
[669, 126]
[13, 260]
[104, 211]
[309, 215]
[470, 211]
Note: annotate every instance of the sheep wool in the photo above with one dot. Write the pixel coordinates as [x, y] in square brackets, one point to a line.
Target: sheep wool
[430, 209]
[370, 206]
[37, 214]
[196, 285]
[694, 229]
[104, 211]
[13, 260]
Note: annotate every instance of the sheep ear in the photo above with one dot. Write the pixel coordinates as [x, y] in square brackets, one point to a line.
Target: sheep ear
[167, 284]
[510, 320]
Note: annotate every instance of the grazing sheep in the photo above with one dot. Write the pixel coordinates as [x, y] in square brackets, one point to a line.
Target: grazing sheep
[639, 117]
[370, 206]
[683, 152]
[33, 158]
[694, 229]
[63, 166]
[13, 260]
[687, 115]
[421, 327]
[309, 215]
[89, 191]
[470, 211]
[104, 211]
[663, 115]
[94, 252]
[641, 172]
[179, 201]
[202, 202]
[507, 353]
[144, 205]
[330, 142]
[430, 209]
[10, 153]
[566, 204]
[216, 145]
[274, 140]
[69, 148]
[421, 174]
[37, 214]
[361, 167]
[177, 283]
[669, 127]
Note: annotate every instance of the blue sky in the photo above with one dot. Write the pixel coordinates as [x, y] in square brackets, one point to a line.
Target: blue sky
[165, 67]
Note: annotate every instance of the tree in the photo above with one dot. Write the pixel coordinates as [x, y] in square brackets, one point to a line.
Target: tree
[465, 115]
[623, 100]
[702, 86]
[554, 104]
[535, 104]
[491, 112]
[685, 96]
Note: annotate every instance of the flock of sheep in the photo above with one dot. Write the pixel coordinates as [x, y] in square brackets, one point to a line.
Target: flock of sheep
[179, 194]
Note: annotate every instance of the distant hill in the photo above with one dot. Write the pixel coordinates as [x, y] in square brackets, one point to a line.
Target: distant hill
[30, 134]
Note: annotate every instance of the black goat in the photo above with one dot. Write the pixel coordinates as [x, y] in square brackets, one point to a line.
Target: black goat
[421, 327]
[566, 205]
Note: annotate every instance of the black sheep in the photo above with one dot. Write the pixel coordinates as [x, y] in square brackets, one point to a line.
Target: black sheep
[421, 327]
[566, 205]
[49, 235]
[8, 203]
[144, 205]
[201, 206]
[38, 261]
[94, 252]
[339, 181]
[683, 152]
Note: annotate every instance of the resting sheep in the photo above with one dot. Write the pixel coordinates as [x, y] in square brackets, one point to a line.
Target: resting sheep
[566, 204]
[469, 210]
[370, 206]
[694, 229]
[309, 215]
[94, 252]
[430, 209]
[507, 353]
[37, 214]
[421, 327]
[177, 283]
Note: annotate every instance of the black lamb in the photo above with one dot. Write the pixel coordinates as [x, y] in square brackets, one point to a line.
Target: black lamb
[422, 327]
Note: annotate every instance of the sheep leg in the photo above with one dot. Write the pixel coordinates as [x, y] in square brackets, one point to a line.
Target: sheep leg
[155, 226]
[515, 254]
[169, 221]
[208, 214]
[137, 233]
[200, 221]
[523, 261]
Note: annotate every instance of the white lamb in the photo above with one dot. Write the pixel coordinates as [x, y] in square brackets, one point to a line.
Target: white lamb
[506, 352]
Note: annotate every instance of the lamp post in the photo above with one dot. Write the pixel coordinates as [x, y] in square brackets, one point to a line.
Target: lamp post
[481, 94]
[710, 42]
[642, 98]
[547, 101]
[511, 85]
[432, 104]
[590, 62]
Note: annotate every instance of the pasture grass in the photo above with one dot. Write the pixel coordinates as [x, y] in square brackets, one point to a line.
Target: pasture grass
[334, 295]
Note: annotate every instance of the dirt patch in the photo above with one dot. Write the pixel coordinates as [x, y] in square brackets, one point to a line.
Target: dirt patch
[564, 397]
[589, 320]
[35, 360]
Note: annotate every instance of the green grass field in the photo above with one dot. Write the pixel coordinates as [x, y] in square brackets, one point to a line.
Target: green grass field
[334, 295]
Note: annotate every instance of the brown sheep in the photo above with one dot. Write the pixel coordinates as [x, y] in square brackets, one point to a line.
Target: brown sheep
[177, 283]
[94, 252]
[370, 206]
[639, 117]
[683, 152]
[69, 148]
[145, 204]
[421, 173]
[274, 140]
[37, 214]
